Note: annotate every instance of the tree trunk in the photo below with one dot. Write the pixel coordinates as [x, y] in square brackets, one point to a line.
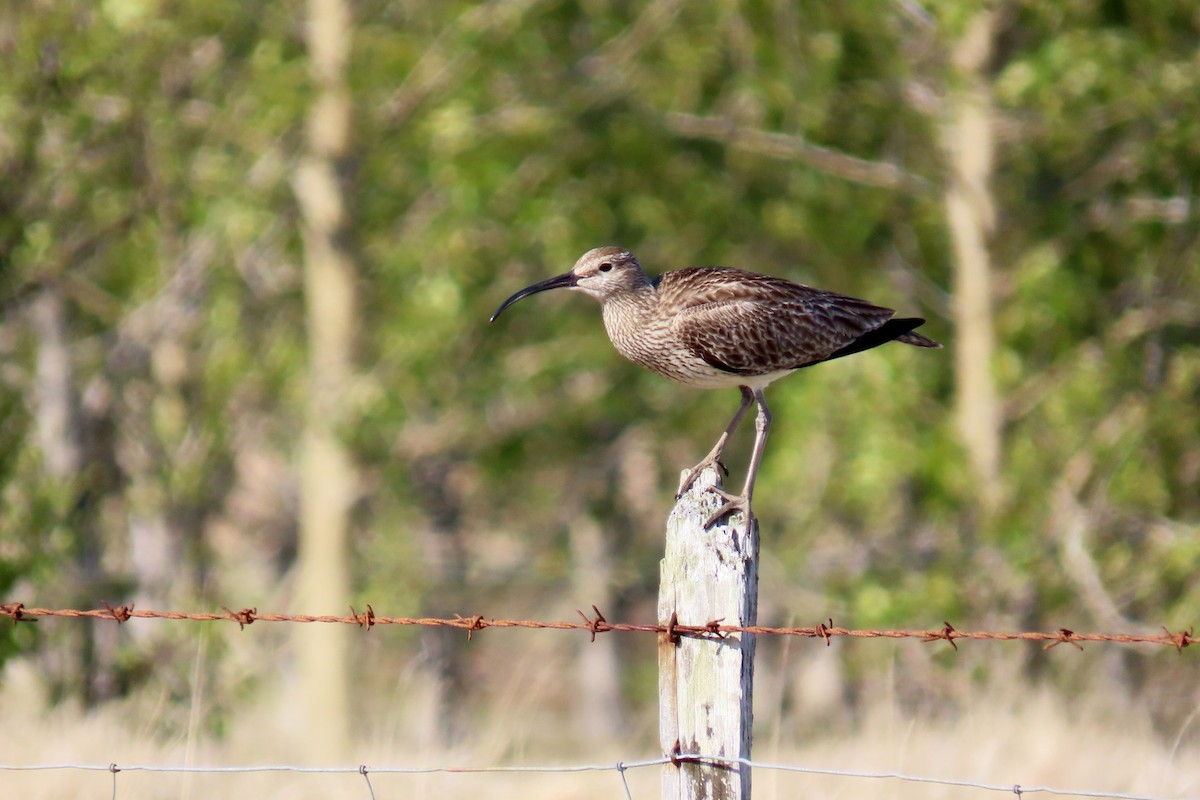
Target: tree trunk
[967, 139]
[327, 475]
[598, 710]
[59, 428]
[56, 408]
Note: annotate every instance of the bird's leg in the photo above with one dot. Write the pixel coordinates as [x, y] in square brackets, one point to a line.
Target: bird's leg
[733, 502]
[714, 456]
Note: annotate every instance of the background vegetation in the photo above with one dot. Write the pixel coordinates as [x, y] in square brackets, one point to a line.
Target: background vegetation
[1021, 173]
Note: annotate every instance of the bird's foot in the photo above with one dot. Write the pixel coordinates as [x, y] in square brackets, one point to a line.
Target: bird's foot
[695, 472]
[733, 502]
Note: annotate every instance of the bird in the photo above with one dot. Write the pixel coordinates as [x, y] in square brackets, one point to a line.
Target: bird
[721, 327]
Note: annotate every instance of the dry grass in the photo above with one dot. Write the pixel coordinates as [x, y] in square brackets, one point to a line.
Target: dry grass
[1001, 736]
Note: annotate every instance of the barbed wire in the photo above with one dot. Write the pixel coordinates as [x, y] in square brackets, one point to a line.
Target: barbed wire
[620, 767]
[19, 612]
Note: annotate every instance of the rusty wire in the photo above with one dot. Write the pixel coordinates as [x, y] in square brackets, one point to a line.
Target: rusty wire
[367, 619]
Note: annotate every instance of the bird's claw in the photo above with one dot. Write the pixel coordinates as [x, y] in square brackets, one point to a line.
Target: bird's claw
[695, 473]
[733, 502]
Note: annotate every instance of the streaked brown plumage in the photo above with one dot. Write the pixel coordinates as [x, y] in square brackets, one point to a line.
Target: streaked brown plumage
[716, 327]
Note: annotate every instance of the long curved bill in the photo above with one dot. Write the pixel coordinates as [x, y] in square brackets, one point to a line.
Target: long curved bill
[564, 281]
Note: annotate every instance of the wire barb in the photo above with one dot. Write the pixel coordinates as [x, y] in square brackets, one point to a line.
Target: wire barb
[1181, 639]
[472, 624]
[120, 613]
[244, 617]
[947, 633]
[1065, 636]
[15, 612]
[597, 625]
[365, 619]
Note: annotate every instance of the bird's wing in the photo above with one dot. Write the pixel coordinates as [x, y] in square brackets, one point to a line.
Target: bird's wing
[753, 324]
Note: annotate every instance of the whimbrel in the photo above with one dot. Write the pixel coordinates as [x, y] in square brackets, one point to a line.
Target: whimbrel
[717, 327]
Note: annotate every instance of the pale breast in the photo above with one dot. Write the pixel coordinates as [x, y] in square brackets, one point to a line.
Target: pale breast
[648, 340]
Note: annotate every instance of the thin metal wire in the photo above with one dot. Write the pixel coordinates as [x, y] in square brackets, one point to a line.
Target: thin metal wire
[1014, 788]
[621, 767]
[362, 770]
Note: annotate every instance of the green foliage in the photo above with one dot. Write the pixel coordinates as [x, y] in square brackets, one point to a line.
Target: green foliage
[150, 149]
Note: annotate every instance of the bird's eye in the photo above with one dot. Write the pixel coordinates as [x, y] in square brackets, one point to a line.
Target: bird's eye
[605, 267]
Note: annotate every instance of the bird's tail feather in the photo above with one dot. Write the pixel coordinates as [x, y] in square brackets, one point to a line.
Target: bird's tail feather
[894, 330]
[916, 338]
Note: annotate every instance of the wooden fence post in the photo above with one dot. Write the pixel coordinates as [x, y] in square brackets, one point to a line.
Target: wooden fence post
[705, 685]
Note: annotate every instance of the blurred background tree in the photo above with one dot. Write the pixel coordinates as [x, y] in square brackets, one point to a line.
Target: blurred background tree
[154, 334]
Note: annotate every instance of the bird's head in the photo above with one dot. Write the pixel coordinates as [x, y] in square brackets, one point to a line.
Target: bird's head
[603, 273]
